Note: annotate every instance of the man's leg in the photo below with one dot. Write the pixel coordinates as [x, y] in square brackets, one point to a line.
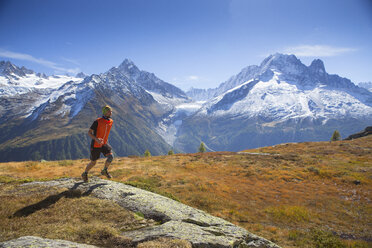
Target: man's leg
[109, 159]
[87, 169]
[94, 155]
[90, 165]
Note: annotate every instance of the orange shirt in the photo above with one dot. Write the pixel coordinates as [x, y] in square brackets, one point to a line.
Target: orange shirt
[102, 131]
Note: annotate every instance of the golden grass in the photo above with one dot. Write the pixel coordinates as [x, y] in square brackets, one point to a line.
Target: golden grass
[320, 186]
[61, 214]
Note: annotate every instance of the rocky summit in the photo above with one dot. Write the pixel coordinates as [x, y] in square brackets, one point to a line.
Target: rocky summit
[176, 220]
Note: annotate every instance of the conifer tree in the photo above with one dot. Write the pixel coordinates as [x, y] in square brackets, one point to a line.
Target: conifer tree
[336, 136]
[202, 148]
[170, 152]
[147, 153]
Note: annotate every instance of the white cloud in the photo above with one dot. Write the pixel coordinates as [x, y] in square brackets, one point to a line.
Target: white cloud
[193, 78]
[46, 63]
[318, 50]
[72, 61]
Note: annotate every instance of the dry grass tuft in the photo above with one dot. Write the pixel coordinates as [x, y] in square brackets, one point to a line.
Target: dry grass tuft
[289, 214]
[63, 214]
[165, 243]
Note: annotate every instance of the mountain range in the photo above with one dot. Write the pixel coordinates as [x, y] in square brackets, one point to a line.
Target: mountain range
[48, 117]
[281, 100]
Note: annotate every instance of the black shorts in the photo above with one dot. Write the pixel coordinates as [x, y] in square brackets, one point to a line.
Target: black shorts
[96, 152]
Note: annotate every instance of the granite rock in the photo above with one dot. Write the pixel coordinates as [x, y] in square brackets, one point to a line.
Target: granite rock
[176, 220]
[31, 241]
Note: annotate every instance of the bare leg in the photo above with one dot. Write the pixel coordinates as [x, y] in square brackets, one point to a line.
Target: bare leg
[87, 169]
[107, 164]
[90, 166]
[109, 159]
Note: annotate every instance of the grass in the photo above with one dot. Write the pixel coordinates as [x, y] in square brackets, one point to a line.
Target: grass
[53, 213]
[66, 214]
[312, 194]
[289, 214]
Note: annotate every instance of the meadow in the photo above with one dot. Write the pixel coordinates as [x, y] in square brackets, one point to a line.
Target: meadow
[312, 194]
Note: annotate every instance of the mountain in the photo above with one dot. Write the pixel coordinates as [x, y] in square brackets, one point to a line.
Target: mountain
[81, 75]
[203, 95]
[366, 85]
[282, 100]
[49, 118]
[149, 81]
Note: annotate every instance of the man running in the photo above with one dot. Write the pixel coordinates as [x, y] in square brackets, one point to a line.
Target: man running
[99, 132]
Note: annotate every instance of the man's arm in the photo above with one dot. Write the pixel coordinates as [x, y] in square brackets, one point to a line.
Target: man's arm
[91, 134]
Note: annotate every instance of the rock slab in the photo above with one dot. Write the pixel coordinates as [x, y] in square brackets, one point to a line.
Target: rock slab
[31, 241]
[177, 220]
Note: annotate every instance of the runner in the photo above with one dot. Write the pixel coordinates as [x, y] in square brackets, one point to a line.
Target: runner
[99, 132]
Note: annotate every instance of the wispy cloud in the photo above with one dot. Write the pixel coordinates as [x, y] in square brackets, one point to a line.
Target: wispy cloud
[193, 78]
[318, 50]
[72, 61]
[46, 63]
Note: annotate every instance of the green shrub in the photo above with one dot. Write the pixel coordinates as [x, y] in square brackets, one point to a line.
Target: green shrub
[202, 148]
[147, 153]
[336, 136]
[324, 239]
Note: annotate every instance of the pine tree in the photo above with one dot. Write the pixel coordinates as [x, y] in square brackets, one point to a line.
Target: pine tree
[202, 147]
[147, 153]
[170, 152]
[336, 136]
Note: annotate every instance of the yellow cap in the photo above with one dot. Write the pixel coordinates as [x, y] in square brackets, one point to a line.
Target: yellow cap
[105, 109]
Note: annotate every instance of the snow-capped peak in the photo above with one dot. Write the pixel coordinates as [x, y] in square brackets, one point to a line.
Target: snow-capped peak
[288, 64]
[10, 70]
[285, 88]
[128, 66]
[317, 66]
[81, 75]
[15, 80]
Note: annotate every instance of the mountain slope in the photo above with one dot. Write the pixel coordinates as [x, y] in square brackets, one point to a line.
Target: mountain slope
[366, 85]
[284, 101]
[243, 76]
[53, 123]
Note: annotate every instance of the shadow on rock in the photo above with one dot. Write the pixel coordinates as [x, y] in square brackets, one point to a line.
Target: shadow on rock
[73, 192]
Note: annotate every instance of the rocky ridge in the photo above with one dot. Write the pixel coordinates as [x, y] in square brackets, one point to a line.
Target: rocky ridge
[177, 221]
[31, 241]
[367, 131]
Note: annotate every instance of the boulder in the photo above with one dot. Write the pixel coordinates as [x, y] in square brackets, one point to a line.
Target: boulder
[31, 241]
[176, 220]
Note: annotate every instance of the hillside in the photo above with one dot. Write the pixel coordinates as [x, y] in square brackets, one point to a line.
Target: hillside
[297, 194]
[48, 118]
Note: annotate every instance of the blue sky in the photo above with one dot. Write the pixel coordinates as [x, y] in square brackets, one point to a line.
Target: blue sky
[189, 43]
